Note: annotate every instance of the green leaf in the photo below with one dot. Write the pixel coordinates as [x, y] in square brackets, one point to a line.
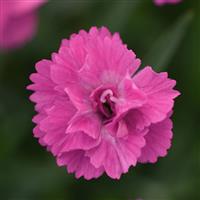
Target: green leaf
[165, 47]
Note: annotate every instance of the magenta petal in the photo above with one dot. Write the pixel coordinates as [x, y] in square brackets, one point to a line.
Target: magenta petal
[108, 61]
[79, 140]
[43, 86]
[23, 7]
[98, 154]
[130, 96]
[159, 91]
[18, 22]
[77, 49]
[77, 163]
[56, 121]
[79, 96]
[102, 32]
[117, 156]
[112, 163]
[62, 111]
[82, 122]
[129, 150]
[69, 81]
[106, 155]
[162, 2]
[135, 120]
[158, 141]
[37, 132]
[26, 28]
[43, 67]
[122, 129]
[62, 75]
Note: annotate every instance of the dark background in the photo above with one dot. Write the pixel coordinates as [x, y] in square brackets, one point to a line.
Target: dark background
[168, 38]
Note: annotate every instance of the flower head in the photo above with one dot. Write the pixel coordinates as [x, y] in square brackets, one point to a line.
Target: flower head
[162, 2]
[92, 115]
[18, 22]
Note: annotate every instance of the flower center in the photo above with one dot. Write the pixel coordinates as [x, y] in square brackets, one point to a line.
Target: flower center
[106, 104]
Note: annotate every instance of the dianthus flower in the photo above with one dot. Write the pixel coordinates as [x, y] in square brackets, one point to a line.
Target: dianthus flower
[162, 2]
[97, 114]
[18, 22]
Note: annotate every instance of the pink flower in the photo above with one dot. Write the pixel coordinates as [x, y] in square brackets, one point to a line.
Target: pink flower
[162, 2]
[18, 22]
[92, 115]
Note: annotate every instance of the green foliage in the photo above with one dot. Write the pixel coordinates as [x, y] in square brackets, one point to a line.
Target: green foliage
[162, 51]
[161, 37]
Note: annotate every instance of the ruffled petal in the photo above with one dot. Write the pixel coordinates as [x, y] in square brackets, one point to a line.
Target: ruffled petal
[76, 162]
[129, 149]
[72, 53]
[158, 141]
[117, 155]
[122, 129]
[79, 140]
[44, 94]
[105, 155]
[159, 91]
[108, 61]
[79, 96]
[62, 75]
[99, 32]
[112, 163]
[136, 120]
[55, 124]
[88, 122]
[69, 81]
[130, 96]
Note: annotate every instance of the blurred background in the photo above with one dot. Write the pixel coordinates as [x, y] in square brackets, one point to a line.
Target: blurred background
[168, 38]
